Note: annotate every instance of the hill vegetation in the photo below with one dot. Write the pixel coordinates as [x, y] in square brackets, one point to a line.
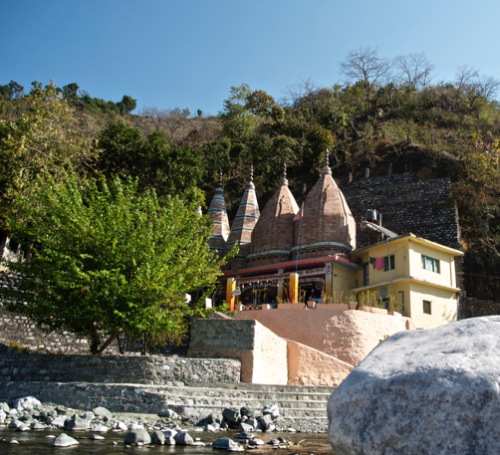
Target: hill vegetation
[384, 112]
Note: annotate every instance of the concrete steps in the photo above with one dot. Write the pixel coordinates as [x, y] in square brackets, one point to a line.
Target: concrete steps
[294, 402]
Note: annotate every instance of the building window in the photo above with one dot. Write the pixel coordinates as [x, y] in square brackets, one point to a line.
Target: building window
[366, 274]
[430, 264]
[427, 307]
[386, 263]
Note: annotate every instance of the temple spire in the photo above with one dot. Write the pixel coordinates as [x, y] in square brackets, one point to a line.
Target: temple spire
[243, 224]
[284, 181]
[218, 213]
[326, 168]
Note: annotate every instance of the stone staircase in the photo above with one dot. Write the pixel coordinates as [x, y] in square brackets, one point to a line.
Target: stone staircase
[195, 401]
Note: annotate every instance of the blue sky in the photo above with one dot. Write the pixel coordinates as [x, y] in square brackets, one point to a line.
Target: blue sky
[188, 53]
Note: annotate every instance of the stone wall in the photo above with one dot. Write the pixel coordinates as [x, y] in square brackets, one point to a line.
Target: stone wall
[474, 308]
[263, 354]
[19, 330]
[423, 207]
[154, 370]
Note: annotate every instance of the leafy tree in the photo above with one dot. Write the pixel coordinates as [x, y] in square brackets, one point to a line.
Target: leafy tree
[44, 137]
[70, 93]
[168, 169]
[108, 260]
[127, 104]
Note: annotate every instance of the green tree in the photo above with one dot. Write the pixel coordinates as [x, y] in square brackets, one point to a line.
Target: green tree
[108, 260]
[127, 104]
[44, 137]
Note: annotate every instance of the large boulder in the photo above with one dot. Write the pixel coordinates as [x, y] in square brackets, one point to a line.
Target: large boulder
[26, 403]
[433, 391]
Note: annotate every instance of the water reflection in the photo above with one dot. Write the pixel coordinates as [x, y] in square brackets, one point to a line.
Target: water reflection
[36, 442]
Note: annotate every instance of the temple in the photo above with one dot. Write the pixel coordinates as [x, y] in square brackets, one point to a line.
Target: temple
[291, 254]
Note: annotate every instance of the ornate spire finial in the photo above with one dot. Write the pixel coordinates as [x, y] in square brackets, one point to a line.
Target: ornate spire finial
[220, 179]
[284, 181]
[326, 167]
[251, 172]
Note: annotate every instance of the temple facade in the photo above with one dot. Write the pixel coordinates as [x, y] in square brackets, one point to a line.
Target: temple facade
[292, 254]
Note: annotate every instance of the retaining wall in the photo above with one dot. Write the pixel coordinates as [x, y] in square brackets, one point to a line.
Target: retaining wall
[156, 369]
[263, 354]
[474, 308]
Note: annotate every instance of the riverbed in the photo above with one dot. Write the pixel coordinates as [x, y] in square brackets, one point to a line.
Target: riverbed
[35, 442]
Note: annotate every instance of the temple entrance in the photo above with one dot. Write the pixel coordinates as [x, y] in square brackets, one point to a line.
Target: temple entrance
[258, 294]
[311, 290]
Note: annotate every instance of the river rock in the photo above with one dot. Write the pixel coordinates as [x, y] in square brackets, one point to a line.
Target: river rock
[102, 412]
[215, 417]
[63, 440]
[254, 423]
[169, 413]
[62, 410]
[432, 391]
[225, 444]
[157, 437]
[231, 415]
[139, 436]
[76, 424]
[120, 426]
[26, 403]
[183, 439]
[3, 416]
[246, 428]
[265, 421]
[100, 428]
[256, 442]
[244, 411]
[88, 415]
[97, 437]
[4, 407]
[37, 426]
[15, 424]
[272, 410]
[58, 421]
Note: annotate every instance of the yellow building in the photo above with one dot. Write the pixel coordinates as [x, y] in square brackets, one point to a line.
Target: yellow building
[417, 273]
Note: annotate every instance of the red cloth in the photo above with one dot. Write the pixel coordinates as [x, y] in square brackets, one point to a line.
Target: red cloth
[379, 263]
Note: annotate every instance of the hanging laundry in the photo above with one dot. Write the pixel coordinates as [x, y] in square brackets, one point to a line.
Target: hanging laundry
[379, 263]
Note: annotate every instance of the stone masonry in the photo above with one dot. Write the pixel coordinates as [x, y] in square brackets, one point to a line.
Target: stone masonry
[154, 370]
[423, 207]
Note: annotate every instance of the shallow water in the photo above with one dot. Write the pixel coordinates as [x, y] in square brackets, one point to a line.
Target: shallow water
[35, 442]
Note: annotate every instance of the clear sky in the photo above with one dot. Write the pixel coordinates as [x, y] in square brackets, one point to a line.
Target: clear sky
[188, 53]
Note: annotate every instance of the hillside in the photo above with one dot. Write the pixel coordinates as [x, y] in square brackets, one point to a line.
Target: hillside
[442, 130]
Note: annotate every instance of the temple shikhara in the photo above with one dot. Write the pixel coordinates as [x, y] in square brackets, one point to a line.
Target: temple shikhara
[291, 253]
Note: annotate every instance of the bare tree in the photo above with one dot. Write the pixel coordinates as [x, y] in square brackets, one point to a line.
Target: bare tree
[473, 85]
[365, 65]
[413, 69]
[170, 120]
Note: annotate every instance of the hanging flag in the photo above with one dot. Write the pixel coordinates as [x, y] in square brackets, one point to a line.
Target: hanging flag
[300, 213]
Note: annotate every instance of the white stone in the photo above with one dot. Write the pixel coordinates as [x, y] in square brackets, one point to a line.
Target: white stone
[58, 421]
[430, 391]
[97, 437]
[27, 403]
[63, 440]
[100, 429]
